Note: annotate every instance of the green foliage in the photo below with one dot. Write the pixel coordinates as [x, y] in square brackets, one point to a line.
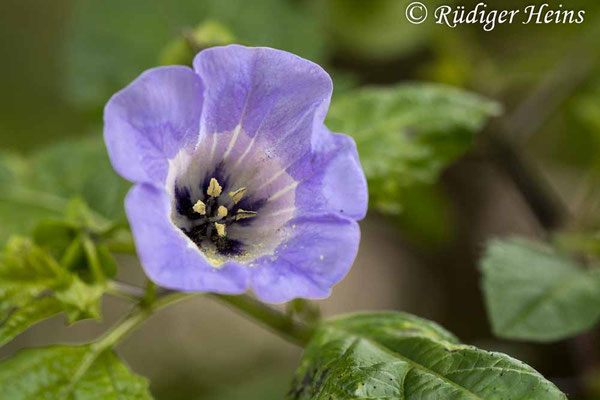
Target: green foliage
[31, 313]
[81, 168]
[110, 42]
[407, 134]
[18, 208]
[45, 184]
[207, 34]
[399, 356]
[376, 29]
[54, 373]
[48, 194]
[579, 243]
[33, 287]
[534, 293]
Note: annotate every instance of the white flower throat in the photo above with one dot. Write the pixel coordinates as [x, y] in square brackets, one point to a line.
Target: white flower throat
[231, 197]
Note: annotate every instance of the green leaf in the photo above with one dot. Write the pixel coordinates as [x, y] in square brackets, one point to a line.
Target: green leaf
[51, 374]
[45, 185]
[24, 317]
[54, 235]
[26, 274]
[80, 300]
[399, 356]
[407, 134]
[533, 293]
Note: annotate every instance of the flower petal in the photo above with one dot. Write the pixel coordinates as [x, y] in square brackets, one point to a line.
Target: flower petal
[331, 179]
[169, 257]
[319, 253]
[147, 123]
[268, 95]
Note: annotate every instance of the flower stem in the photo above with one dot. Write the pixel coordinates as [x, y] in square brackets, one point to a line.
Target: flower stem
[281, 323]
[125, 290]
[278, 322]
[138, 315]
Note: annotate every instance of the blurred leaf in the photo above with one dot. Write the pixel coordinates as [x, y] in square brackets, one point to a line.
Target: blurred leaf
[208, 34]
[46, 373]
[111, 42]
[586, 244]
[54, 235]
[399, 356]
[376, 29]
[18, 207]
[427, 216]
[81, 168]
[48, 183]
[24, 317]
[533, 293]
[407, 134]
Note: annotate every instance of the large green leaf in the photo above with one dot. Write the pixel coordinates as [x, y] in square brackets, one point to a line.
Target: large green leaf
[398, 356]
[43, 184]
[51, 373]
[533, 293]
[407, 134]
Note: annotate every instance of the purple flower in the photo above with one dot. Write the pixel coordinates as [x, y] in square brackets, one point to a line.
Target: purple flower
[239, 184]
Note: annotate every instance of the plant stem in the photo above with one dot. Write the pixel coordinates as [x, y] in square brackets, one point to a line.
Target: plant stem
[281, 323]
[278, 322]
[125, 290]
[138, 315]
[92, 257]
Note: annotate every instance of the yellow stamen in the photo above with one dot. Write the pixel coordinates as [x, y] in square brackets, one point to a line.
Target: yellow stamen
[214, 189]
[200, 207]
[237, 195]
[220, 229]
[222, 211]
[241, 214]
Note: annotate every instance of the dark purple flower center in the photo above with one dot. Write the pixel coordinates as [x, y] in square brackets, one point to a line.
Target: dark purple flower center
[212, 215]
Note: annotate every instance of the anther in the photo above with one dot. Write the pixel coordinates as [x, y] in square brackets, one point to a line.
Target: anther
[220, 229]
[200, 207]
[241, 214]
[214, 189]
[222, 212]
[237, 195]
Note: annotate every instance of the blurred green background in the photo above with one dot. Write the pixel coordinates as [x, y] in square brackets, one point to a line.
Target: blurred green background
[63, 59]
